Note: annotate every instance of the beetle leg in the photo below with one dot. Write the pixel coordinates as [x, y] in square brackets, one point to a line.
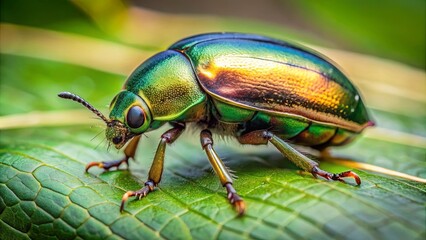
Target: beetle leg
[156, 170]
[129, 152]
[222, 172]
[263, 137]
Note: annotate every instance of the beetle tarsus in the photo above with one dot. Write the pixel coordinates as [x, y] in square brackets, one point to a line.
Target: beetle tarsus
[149, 187]
[107, 165]
[235, 199]
[336, 177]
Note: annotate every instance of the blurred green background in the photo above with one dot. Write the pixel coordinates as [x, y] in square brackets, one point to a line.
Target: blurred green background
[392, 29]
[89, 47]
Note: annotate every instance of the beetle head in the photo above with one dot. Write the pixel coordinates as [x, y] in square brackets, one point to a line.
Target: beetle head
[130, 116]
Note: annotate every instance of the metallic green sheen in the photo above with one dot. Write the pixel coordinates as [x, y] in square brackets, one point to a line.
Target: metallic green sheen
[284, 127]
[193, 40]
[168, 85]
[231, 114]
[316, 134]
[287, 128]
[204, 49]
[208, 45]
[118, 109]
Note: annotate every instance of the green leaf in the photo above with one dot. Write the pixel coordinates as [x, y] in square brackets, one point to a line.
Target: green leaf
[45, 192]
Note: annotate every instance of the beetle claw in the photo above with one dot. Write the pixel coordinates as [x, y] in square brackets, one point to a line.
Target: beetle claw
[124, 199]
[139, 194]
[349, 174]
[240, 206]
[336, 177]
[107, 165]
[235, 199]
[92, 164]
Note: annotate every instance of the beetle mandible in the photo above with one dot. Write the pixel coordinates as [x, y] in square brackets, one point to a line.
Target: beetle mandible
[254, 88]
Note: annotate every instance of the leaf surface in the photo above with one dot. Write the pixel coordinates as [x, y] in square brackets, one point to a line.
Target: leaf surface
[45, 192]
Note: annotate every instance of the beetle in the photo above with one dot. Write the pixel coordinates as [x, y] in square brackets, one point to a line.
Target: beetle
[254, 88]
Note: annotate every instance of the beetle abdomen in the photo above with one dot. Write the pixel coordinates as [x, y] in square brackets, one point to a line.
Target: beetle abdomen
[298, 130]
[277, 78]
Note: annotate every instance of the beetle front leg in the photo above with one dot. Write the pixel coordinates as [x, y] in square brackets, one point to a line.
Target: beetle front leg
[263, 137]
[129, 152]
[222, 172]
[156, 170]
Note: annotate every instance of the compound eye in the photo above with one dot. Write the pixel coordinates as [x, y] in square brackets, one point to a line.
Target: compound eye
[135, 117]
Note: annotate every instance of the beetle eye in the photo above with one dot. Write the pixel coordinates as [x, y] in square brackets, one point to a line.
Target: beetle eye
[135, 117]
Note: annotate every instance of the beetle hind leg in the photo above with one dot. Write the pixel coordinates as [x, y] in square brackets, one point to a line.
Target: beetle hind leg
[222, 172]
[129, 153]
[264, 136]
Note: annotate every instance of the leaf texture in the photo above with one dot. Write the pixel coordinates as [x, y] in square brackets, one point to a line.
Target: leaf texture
[45, 193]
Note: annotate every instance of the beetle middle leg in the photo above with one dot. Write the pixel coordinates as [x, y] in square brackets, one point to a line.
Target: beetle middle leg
[156, 170]
[264, 136]
[222, 172]
[129, 152]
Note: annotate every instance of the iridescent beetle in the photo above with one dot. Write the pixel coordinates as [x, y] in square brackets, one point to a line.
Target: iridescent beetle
[254, 88]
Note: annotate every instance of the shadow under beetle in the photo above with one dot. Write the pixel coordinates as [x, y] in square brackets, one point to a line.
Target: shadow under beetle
[254, 88]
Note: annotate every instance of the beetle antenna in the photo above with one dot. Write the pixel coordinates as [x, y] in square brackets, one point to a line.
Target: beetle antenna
[76, 98]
